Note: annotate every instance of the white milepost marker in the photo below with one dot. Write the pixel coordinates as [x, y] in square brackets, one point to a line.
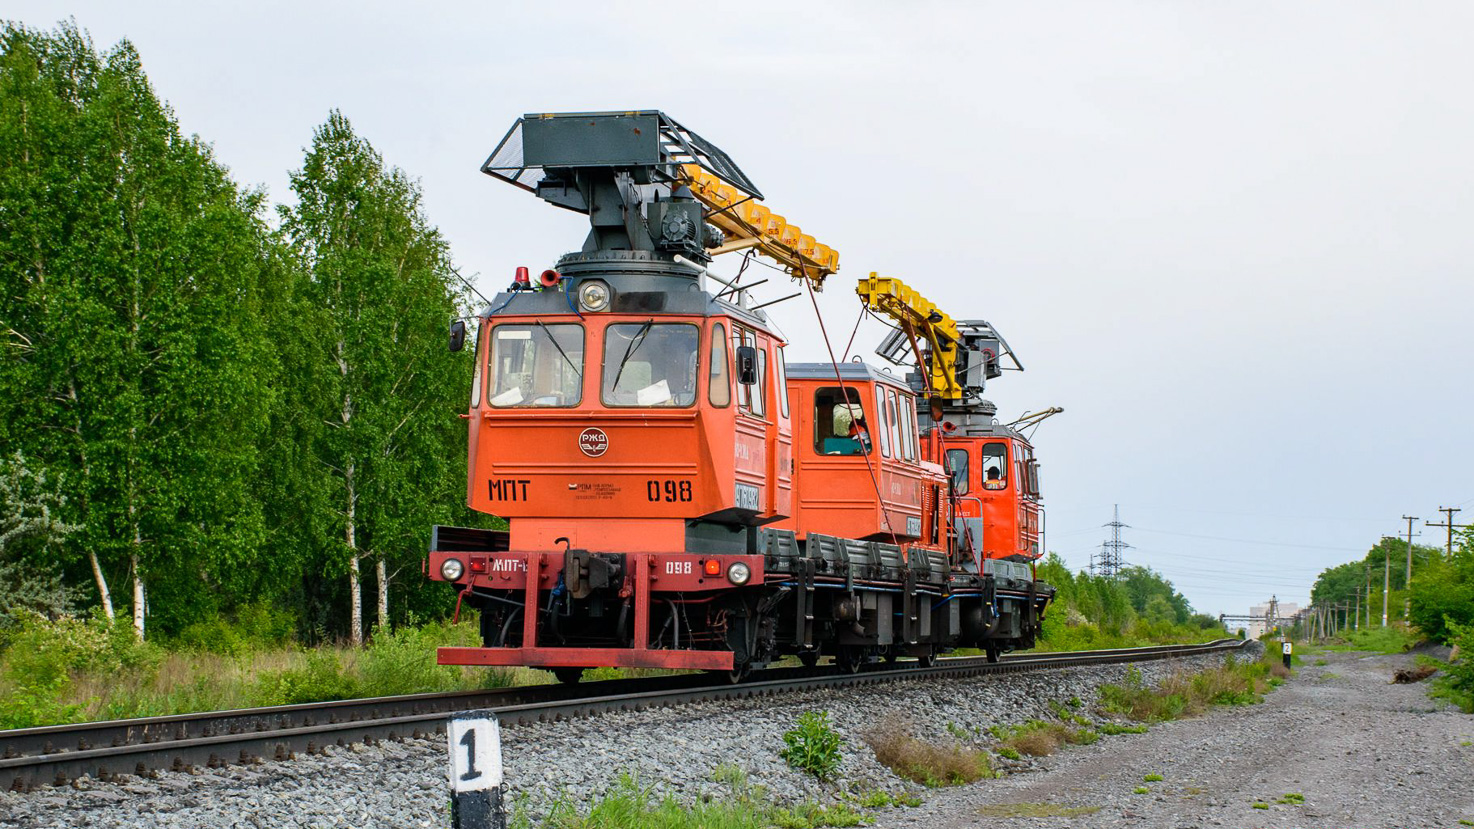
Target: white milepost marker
[475, 741]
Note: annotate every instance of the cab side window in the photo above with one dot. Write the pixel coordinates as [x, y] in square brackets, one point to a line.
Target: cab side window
[995, 466]
[881, 427]
[719, 388]
[957, 463]
[839, 423]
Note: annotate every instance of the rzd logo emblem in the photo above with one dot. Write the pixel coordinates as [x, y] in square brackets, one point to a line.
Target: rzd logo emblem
[593, 442]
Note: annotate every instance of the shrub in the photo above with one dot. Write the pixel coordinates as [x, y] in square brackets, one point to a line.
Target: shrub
[1038, 738]
[923, 762]
[1443, 593]
[321, 679]
[813, 745]
[1182, 694]
[253, 627]
[1457, 683]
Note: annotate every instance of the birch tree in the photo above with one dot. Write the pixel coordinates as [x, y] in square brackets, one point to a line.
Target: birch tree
[381, 274]
[136, 360]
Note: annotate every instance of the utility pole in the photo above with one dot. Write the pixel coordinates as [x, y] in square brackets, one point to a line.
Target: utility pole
[1448, 524]
[1356, 619]
[1386, 582]
[1407, 600]
[1367, 566]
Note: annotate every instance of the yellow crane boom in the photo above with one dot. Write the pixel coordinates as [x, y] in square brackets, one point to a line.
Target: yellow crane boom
[747, 223]
[921, 320]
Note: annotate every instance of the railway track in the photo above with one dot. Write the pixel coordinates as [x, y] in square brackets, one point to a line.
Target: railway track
[55, 755]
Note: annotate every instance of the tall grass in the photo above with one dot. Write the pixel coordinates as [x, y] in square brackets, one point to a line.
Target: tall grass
[1184, 694]
[75, 670]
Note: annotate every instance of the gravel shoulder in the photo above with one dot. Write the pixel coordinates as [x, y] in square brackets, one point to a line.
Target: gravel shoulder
[1362, 751]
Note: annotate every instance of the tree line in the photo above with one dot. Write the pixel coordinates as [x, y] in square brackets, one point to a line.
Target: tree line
[1440, 592]
[207, 399]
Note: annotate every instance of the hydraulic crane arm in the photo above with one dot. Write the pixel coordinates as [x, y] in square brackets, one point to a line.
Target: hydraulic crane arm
[920, 320]
[747, 222]
[648, 183]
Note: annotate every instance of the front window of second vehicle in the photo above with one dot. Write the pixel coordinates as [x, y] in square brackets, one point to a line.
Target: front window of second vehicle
[536, 365]
[650, 364]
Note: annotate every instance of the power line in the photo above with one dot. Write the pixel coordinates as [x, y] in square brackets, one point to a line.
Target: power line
[1252, 541]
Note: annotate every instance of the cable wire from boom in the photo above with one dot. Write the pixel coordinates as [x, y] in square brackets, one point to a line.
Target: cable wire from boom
[885, 513]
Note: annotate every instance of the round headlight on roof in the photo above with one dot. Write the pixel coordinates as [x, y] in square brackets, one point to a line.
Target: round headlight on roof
[451, 569]
[593, 295]
[739, 573]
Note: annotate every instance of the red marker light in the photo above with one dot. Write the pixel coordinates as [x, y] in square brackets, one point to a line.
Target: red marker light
[522, 277]
[713, 567]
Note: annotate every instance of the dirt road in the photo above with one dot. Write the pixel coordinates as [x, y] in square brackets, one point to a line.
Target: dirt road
[1360, 751]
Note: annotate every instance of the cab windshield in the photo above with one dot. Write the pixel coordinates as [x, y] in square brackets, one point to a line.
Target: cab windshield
[536, 365]
[650, 364]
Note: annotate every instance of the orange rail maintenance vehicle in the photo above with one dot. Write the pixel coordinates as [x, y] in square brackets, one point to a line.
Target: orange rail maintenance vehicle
[676, 495]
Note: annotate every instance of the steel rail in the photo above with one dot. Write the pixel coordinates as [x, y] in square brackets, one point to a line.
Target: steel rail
[33, 757]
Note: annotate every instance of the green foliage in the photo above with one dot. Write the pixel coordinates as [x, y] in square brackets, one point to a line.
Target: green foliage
[1138, 608]
[1340, 584]
[43, 655]
[322, 678]
[255, 626]
[1457, 683]
[1152, 778]
[1259, 804]
[1185, 694]
[813, 745]
[177, 372]
[1112, 729]
[1039, 738]
[628, 805]
[1141, 790]
[1443, 591]
[1375, 639]
[1292, 799]
[133, 282]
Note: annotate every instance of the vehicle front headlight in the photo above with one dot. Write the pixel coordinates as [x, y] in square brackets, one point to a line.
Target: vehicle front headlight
[451, 569]
[593, 295]
[739, 573]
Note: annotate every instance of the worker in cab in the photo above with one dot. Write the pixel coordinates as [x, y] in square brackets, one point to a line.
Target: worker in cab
[994, 479]
[859, 433]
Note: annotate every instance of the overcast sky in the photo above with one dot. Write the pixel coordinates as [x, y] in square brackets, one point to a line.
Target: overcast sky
[1232, 240]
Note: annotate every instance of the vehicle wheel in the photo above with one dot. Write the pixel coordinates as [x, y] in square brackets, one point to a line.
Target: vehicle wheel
[809, 658]
[927, 659]
[568, 676]
[993, 653]
[733, 676]
[850, 659]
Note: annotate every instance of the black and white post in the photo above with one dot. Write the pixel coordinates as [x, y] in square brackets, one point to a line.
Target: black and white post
[475, 739]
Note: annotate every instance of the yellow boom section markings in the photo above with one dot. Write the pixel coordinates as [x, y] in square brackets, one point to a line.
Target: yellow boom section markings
[920, 318]
[748, 223]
